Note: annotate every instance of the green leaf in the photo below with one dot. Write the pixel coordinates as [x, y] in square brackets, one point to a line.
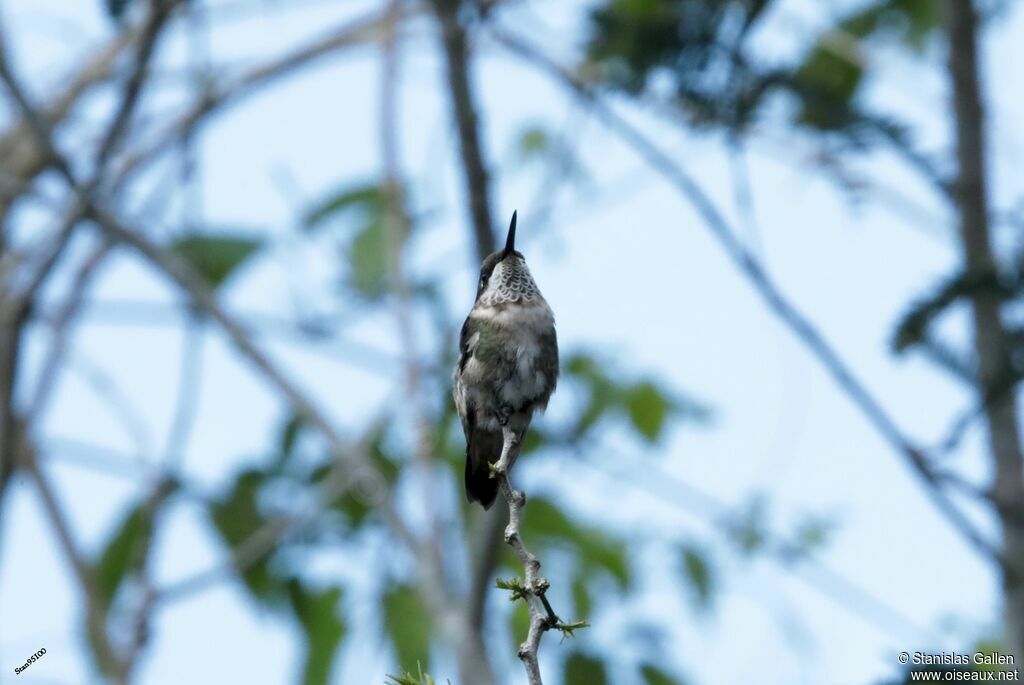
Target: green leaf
[519, 624]
[409, 626]
[748, 528]
[124, 551]
[288, 438]
[367, 199]
[533, 142]
[236, 516]
[655, 676]
[699, 575]
[317, 612]
[581, 669]
[596, 550]
[214, 257]
[827, 83]
[369, 259]
[648, 407]
[580, 596]
[378, 236]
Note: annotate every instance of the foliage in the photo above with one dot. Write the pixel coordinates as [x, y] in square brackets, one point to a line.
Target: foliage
[653, 675]
[378, 236]
[705, 50]
[323, 628]
[646, 404]
[408, 623]
[581, 669]
[408, 679]
[214, 257]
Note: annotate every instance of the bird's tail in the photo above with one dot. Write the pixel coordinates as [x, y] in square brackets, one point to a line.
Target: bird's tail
[483, 449]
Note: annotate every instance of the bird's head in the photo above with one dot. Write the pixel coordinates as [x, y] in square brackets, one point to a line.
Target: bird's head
[504, 276]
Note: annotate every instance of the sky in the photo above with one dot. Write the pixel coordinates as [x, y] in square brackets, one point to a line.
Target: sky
[631, 274]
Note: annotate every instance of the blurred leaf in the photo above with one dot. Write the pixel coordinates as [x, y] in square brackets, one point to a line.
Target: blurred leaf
[603, 395]
[909, 21]
[124, 551]
[368, 262]
[519, 624]
[365, 199]
[580, 596]
[116, 8]
[581, 669]
[655, 676]
[913, 326]
[214, 257]
[237, 516]
[317, 612]
[812, 534]
[288, 438]
[748, 528]
[596, 550]
[535, 439]
[408, 624]
[647, 405]
[648, 408]
[376, 238]
[827, 83]
[533, 142]
[692, 55]
[699, 576]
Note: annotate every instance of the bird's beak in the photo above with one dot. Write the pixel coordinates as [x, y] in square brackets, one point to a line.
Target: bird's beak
[510, 241]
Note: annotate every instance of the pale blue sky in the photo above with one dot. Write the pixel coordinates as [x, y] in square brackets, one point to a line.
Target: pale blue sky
[630, 272]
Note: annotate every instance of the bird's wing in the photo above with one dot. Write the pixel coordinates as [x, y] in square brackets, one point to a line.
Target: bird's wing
[466, 344]
[549, 355]
[467, 341]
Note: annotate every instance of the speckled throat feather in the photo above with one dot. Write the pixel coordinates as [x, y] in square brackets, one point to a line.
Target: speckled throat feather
[510, 282]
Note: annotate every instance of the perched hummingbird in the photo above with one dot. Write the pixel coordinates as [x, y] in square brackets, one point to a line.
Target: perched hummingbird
[508, 363]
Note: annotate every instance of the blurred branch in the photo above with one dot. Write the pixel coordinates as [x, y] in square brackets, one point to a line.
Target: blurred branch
[754, 272]
[312, 333]
[216, 97]
[991, 344]
[464, 110]
[96, 610]
[19, 149]
[59, 331]
[15, 309]
[159, 13]
[191, 375]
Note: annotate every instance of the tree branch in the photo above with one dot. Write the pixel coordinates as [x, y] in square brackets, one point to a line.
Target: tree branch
[456, 51]
[991, 343]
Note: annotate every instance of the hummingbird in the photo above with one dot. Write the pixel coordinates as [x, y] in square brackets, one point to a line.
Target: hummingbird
[508, 363]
